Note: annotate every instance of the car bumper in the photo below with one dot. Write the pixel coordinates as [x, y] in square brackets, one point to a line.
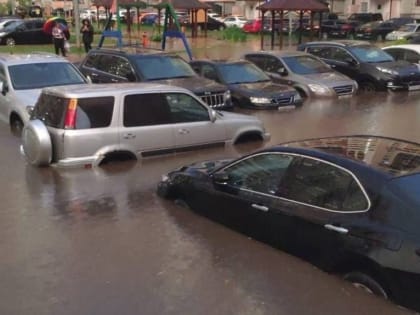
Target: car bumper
[396, 86]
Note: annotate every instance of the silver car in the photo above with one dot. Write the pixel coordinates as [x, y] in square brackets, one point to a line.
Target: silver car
[86, 125]
[22, 76]
[404, 32]
[305, 72]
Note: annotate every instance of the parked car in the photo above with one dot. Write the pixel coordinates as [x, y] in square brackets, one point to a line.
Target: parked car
[375, 30]
[22, 76]
[400, 21]
[363, 18]
[250, 86]
[111, 66]
[215, 16]
[148, 18]
[88, 125]
[406, 31]
[253, 26]
[27, 32]
[235, 20]
[6, 21]
[211, 25]
[309, 75]
[370, 66]
[409, 53]
[346, 204]
[338, 28]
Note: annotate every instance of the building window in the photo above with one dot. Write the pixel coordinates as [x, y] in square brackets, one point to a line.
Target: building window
[417, 3]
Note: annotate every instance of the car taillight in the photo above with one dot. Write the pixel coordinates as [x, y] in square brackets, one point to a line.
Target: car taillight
[70, 120]
[345, 27]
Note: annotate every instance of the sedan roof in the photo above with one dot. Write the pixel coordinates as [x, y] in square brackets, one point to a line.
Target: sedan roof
[388, 156]
[406, 46]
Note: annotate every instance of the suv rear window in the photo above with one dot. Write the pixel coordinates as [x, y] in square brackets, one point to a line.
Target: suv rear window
[95, 112]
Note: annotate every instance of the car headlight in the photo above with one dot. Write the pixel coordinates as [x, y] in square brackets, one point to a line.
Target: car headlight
[2, 34]
[387, 71]
[318, 89]
[260, 100]
[227, 95]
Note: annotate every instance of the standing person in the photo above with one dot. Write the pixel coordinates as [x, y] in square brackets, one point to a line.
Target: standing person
[87, 34]
[59, 37]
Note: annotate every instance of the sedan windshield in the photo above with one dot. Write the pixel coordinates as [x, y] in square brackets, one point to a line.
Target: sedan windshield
[164, 67]
[40, 75]
[235, 73]
[370, 54]
[305, 65]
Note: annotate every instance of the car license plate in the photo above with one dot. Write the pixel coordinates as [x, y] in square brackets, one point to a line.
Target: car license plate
[414, 87]
[288, 107]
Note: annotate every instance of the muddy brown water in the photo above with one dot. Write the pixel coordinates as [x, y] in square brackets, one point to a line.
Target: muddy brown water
[99, 241]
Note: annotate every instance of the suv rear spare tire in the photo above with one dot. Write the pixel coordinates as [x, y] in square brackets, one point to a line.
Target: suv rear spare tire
[36, 143]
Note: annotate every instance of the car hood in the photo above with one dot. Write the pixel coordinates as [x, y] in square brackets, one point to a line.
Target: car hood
[264, 89]
[195, 84]
[327, 78]
[28, 97]
[400, 66]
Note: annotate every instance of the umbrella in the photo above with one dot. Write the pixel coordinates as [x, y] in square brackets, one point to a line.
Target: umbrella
[49, 24]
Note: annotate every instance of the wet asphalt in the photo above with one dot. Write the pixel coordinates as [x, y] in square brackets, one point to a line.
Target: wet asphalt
[99, 241]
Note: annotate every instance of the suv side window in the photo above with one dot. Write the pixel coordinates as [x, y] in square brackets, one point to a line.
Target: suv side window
[323, 185]
[94, 112]
[92, 60]
[261, 173]
[273, 65]
[185, 108]
[340, 54]
[121, 67]
[320, 51]
[146, 110]
[259, 60]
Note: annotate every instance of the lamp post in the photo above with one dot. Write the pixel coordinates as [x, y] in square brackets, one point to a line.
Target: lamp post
[76, 16]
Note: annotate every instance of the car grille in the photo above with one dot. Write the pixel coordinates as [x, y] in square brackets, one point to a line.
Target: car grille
[214, 100]
[344, 89]
[286, 100]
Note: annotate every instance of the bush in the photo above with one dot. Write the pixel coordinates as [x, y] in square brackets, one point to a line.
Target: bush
[234, 34]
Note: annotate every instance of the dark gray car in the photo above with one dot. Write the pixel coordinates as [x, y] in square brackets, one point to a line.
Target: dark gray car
[305, 72]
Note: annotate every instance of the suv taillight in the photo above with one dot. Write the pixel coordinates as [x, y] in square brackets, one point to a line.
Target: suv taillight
[70, 120]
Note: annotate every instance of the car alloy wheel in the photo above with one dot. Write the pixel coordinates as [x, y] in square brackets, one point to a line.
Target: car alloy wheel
[10, 41]
[367, 283]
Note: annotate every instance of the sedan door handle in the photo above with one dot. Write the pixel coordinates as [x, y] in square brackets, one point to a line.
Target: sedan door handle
[259, 207]
[115, 80]
[338, 229]
[129, 136]
[93, 74]
[183, 131]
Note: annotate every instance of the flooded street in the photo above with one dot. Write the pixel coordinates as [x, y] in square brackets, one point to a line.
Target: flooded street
[99, 241]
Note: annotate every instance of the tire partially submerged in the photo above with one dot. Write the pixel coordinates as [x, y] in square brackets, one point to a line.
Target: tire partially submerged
[36, 143]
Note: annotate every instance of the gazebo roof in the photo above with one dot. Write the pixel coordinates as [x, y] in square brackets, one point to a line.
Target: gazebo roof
[293, 5]
[184, 4]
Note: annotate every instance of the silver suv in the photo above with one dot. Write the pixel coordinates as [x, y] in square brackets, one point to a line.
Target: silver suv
[23, 76]
[90, 124]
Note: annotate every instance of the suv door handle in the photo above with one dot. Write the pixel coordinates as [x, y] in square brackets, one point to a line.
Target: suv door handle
[338, 229]
[183, 131]
[259, 207]
[129, 136]
[115, 80]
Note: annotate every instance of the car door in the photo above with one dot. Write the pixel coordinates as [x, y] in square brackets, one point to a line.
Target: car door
[6, 98]
[277, 71]
[146, 124]
[20, 35]
[192, 123]
[342, 61]
[243, 195]
[330, 207]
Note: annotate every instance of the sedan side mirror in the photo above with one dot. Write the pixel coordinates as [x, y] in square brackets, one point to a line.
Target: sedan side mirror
[3, 88]
[282, 71]
[220, 178]
[213, 115]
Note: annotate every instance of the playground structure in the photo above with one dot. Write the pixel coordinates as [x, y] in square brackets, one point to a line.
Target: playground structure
[171, 29]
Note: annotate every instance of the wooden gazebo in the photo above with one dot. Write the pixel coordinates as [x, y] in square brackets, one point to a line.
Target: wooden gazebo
[192, 6]
[279, 6]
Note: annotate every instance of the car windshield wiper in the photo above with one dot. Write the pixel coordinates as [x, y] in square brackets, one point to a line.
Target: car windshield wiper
[182, 76]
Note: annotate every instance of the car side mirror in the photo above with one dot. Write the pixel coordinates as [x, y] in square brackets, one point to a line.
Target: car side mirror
[29, 110]
[213, 115]
[350, 61]
[220, 178]
[282, 71]
[3, 88]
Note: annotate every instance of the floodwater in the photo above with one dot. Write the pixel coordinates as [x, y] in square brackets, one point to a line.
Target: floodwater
[99, 241]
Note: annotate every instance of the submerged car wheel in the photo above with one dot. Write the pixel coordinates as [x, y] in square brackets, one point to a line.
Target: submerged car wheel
[367, 87]
[367, 283]
[36, 143]
[16, 126]
[164, 190]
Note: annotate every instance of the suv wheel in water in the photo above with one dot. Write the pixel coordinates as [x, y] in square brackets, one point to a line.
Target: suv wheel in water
[16, 126]
[36, 143]
[367, 86]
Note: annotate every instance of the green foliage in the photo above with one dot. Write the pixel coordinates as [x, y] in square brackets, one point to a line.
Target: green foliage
[4, 8]
[234, 34]
[156, 38]
[398, 42]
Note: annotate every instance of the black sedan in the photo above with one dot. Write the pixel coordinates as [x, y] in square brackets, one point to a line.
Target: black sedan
[249, 86]
[375, 30]
[348, 204]
[28, 31]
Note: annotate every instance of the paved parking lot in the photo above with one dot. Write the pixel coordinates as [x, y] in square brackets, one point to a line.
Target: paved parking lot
[99, 241]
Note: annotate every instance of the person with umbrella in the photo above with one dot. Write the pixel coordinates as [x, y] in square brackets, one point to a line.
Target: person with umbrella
[87, 34]
[59, 38]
